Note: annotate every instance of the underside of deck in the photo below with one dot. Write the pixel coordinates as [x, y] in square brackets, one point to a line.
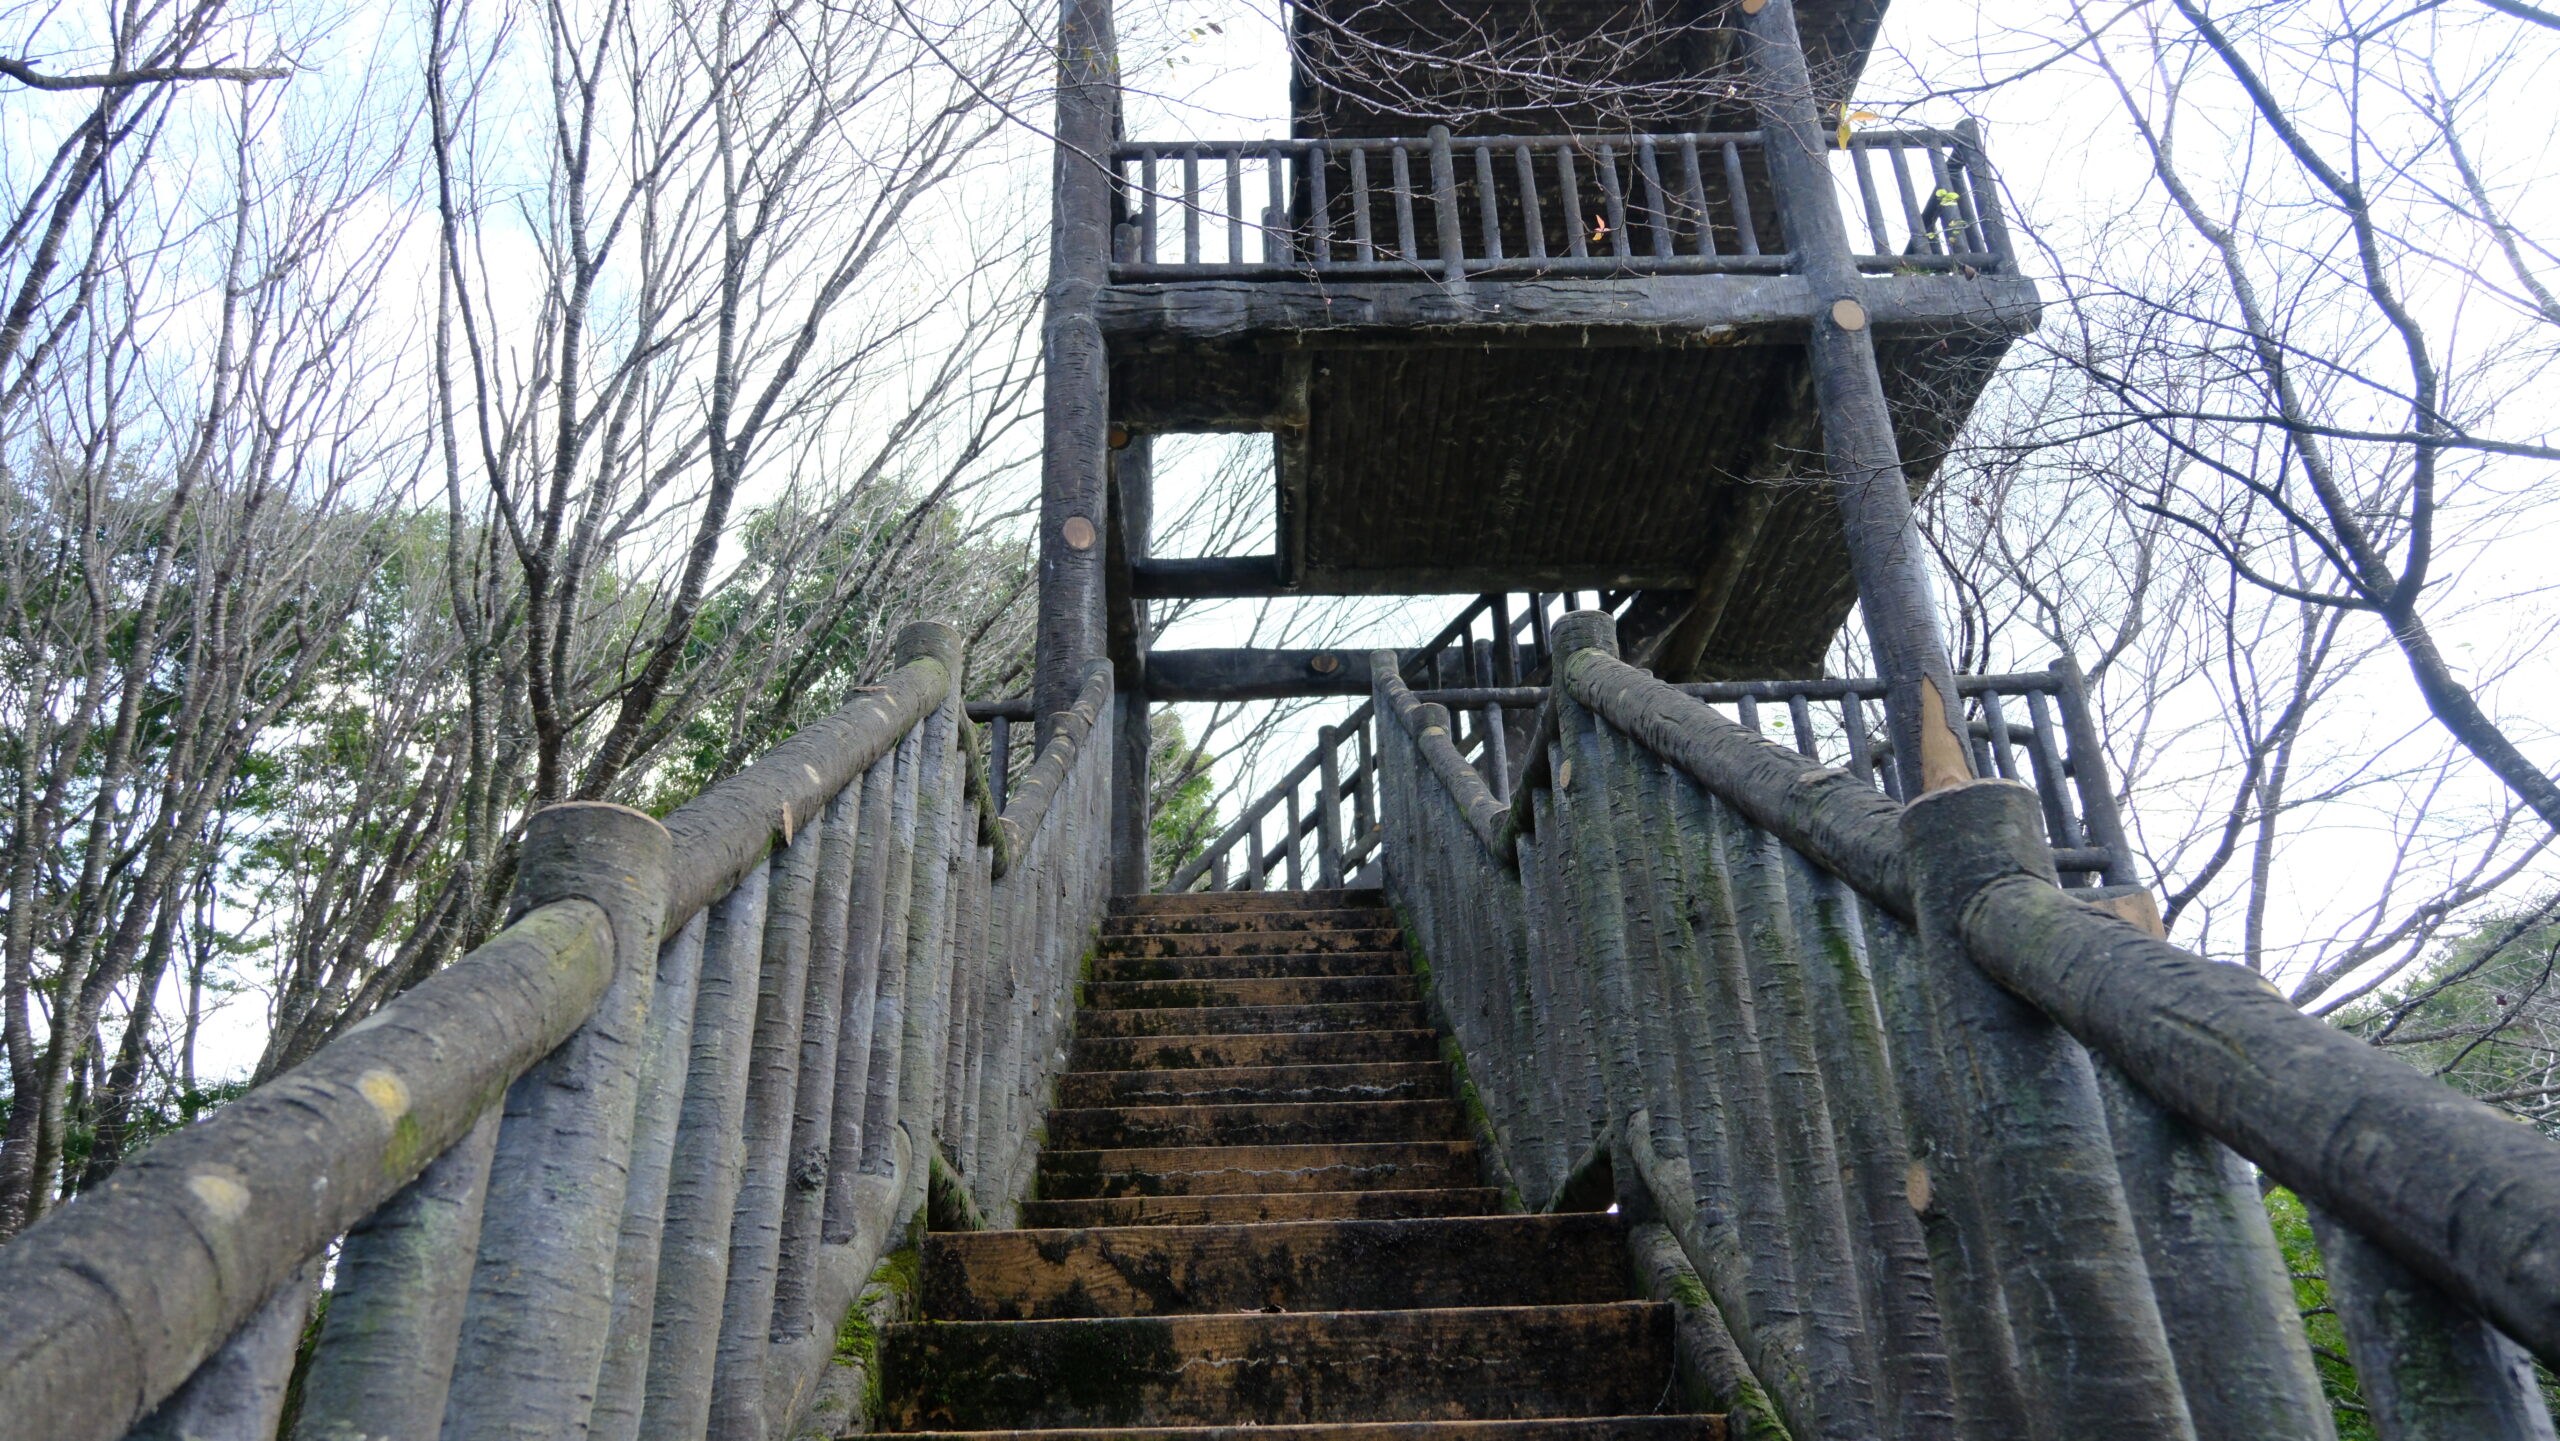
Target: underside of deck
[1656, 434]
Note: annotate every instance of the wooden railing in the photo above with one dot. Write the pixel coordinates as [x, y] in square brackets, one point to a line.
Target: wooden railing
[1447, 208]
[623, 1169]
[1950, 1152]
[1317, 825]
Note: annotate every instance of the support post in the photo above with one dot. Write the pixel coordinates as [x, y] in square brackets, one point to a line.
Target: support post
[1857, 429]
[1132, 540]
[1076, 393]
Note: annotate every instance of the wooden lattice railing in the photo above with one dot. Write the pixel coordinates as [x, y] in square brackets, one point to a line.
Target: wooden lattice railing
[1443, 207]
[621, 1170]
[1952, 1152]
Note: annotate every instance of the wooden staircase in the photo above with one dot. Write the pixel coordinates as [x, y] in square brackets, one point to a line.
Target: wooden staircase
[1259, 1208]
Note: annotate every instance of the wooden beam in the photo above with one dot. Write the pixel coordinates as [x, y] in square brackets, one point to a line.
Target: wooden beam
[1223, 675]
[1228, 576]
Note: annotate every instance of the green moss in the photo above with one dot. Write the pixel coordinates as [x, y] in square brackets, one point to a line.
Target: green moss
[1689, 1291]
[2311, 1294]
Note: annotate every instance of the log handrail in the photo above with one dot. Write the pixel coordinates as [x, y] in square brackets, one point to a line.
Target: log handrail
[573, 1265]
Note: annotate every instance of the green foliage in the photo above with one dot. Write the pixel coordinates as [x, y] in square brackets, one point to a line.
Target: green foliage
[2311, 1293]
[1183, 825]
[2483, 1015]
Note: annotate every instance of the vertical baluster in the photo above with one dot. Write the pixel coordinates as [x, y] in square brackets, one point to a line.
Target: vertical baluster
[1533, 220]
[1218, 868]
[1747, 711]
[1147, 207]
[1918, 244]
[999, 759]
[1364, 781]
[1800, 716]
[1497, 745]
[1739, 191]
[1506, 654]
[1400, 180]
[1124, 228]
[1364, 247]
[1253, 862]
[1569, 195]
[1444, 205]
[1982, 192]
[1488, 211]
[1853, 719]
[1319, 205]
[2059, 823]
[1537, 631]
[238, 1392]
[1191, 205]
[883, 1067]
[1954, 236]
[1878, 233]
[1275, 215]
[2003, 753]
[1693, 185]
[813, 1107]
[1328, 809]
[1235, 207]
[1658, 203]
[1613, 200]
[1296, 843]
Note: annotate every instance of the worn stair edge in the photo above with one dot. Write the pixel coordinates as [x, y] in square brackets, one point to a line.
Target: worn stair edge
[1202, 992]
[1253, 1020]
[1252, 943]
[1196, 902]
[1256, 1085]
[1289, 1266]
[1200, 1210]
[1139, 1053]
[1233, 1170]
[1300, 1124]
[1115, 970]
[1472, 1363]
[1296, 918]
[1572, 1428]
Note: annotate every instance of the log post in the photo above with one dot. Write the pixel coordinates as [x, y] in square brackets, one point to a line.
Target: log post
[1133, 491]
[1076, 383]
[541, 1302]
[2061, 1233]
[1857, 428]
[2431, 1369]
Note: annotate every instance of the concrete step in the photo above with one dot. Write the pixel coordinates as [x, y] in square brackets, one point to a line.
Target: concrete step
[1465, 1364]
[1238, 1170]
[1266, 1206]
[1095, 1128]
[1253, 1020]
[1253, 991]
[1237, 968]
[1295, 918]
[1255, 1085]
[1254, 943]
[1206, 902]
[1580, 1428]
[1138, 1053]
[1558, 1260]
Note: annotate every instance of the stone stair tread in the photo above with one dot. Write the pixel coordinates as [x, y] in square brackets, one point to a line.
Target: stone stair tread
[1545, 1428]
[1292, 1266]
[1192, 902]
[1112, 970]
[1257, 1085]
[1131, 1053]
[1204, 1170]
[1253, 1020]
[1456, 1363]
[1263, 1206]
[1154, 995]
[1252, 943]
[1256, 1124]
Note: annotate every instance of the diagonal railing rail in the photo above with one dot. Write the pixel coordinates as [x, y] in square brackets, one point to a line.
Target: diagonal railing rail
[1951, 1152]
[620, 1171]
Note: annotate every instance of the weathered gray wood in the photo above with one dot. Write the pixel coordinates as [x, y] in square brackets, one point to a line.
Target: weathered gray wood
[385, 1354]
[729, 829]
[2429, 1369]
[867, 933]
[1210, 675]
[1205, 577]
[813, 1104]
[889, 1010]
[702, 1190]
[1132, 863]
[238, 1393]
[541, 1302]
[1710, 1365]
[2243, 1358]
[755, 1235]
[2061, 1233]
[666, 1055]
[111, 1304]
[1076, 371]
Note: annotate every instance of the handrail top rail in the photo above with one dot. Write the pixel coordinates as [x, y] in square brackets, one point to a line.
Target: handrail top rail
[1305, 145]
